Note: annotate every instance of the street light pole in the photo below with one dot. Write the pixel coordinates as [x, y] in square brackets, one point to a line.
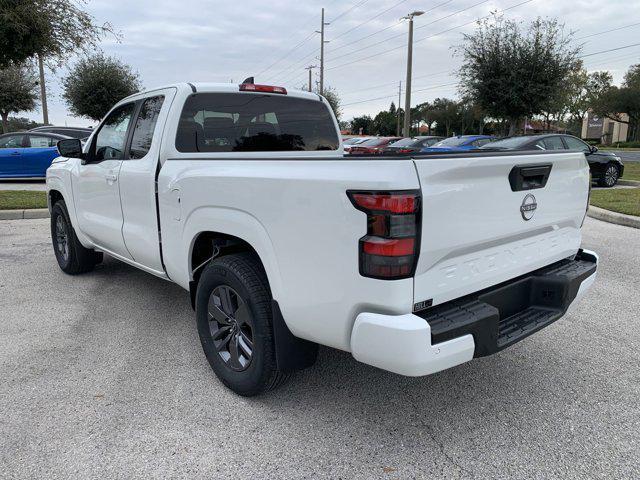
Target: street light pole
[398, 109]
[407, 86]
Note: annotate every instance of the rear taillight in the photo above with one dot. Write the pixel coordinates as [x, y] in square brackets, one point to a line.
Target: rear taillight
[251, 87]
[390, 248]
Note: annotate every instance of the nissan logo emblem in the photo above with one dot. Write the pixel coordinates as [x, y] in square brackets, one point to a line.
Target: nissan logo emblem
[528, 207]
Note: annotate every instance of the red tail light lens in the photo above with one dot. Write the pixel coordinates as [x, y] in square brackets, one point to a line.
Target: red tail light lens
[390, 248]
[250, 87]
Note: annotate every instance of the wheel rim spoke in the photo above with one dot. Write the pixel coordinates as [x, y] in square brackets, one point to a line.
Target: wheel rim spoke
[245, 344]
[230, 326]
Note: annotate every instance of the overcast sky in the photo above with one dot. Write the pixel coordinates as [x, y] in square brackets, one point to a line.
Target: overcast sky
[167, 41]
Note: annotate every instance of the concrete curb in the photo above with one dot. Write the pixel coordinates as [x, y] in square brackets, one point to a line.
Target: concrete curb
[614, 217]
[629, 183]
[21, 214]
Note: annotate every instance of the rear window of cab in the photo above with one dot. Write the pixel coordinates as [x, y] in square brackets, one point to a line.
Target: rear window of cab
[252, 122]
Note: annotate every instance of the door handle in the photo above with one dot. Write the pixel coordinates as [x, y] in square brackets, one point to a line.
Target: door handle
[111, 177]
[15, 153]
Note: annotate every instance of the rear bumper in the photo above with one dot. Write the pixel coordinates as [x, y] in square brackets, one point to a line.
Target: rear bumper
[473, 326]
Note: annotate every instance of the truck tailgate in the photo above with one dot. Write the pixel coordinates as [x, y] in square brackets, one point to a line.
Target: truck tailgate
[478, 232]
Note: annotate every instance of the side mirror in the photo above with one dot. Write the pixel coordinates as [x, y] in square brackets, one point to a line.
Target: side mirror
[70, 147]
[593, 149]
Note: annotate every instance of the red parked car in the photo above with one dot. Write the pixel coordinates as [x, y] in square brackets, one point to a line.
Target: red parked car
[373, 146]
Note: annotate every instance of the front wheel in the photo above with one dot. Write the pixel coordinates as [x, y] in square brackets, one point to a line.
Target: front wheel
[235, 325]
[610, 177]
[72, 257]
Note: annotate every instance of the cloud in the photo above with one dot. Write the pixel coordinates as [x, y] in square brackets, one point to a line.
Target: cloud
[214, 40]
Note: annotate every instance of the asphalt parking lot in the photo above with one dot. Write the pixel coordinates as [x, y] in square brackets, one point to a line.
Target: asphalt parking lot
[103, 377]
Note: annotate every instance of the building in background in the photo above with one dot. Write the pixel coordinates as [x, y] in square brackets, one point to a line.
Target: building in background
[605, 130]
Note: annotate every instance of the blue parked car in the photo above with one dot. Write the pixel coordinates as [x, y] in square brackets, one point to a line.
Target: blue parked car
[460, 143]
[26, 154]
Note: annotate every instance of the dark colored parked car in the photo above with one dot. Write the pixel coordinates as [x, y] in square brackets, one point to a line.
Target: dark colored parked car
[412, 145]
[373, 146]
[606, 167]
[27, 154]
[73, 132]
[460, 143]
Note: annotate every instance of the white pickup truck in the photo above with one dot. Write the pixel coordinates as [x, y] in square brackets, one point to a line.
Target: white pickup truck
[241, 195]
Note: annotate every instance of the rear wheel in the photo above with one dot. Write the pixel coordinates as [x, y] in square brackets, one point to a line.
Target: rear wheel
[72, 257]
[610, 176]
[235, 325]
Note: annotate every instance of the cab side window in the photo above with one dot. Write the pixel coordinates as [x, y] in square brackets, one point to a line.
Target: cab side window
[145, 125]
[110, 140]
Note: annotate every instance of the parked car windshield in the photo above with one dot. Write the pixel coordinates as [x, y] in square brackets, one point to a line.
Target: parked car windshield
[508, 143]
[406, 142]
[250, 122]
[351, 141]
[452, 142]
[372, 142]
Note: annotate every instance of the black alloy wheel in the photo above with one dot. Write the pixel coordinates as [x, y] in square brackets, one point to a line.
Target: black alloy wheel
[231, 327]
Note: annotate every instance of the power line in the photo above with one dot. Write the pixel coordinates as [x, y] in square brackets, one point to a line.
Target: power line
[425, 38]
[296, 46]
[394, 95]
[346, 12]
[608, 31]
[395, 83]
[370, 20]
[403, 34]
[610, 50]
[385, 28]
[287, 54]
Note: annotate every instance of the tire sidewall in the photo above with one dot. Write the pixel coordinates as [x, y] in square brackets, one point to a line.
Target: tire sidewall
[59, 210]
[247, 381]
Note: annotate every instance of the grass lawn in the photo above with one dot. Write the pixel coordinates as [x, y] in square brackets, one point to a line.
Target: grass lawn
[631, 171]
[621, 200]
[21, 199]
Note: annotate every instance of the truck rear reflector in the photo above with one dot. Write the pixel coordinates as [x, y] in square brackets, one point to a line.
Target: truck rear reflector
[390, 248]
[251, 87]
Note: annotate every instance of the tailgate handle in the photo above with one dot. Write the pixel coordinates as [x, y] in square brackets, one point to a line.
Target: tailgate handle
[529, 177]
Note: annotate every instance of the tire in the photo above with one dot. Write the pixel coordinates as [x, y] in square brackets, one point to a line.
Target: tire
[610, 176]
[235, 324]
[72, 257]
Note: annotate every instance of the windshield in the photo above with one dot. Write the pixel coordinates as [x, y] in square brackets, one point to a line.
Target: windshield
[350, 141]
[507, 143]
[452, 142]
[372, 142]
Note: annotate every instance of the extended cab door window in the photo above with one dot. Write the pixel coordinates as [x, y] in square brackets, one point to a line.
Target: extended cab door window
[145, 125]
[110, 141]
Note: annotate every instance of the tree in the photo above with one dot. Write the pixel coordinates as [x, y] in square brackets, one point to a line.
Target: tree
[96, 83]
[50, 28]
[583, 91]
[614, 102]
[18, 91]
[445, 114]
[512, 73]
[333, 98]
[363, 124]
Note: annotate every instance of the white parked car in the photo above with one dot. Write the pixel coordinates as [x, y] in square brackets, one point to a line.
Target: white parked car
[241, 195]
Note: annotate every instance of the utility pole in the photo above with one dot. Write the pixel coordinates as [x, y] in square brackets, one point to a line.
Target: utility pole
[407, 85]
[43, 92]
[398, 109]
[310, 67]
[322, 42]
